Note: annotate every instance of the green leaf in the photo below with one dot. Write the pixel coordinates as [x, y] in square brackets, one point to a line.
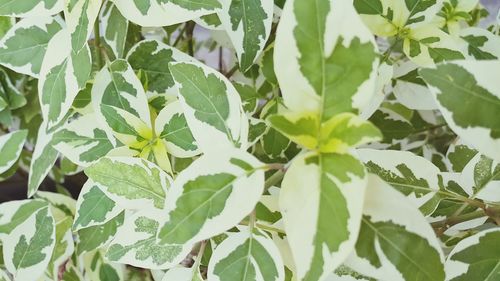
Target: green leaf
[171, 126]
[28, 8]
[318, 77]
[212, 106]
[210, 196]
[475, 258]
[152, 58]
[11, 146]
[94, 207]
[22, 49]
[132, 183]
[83, 141]
[136, 243]
[248, 24]
[451, 83]
[322, 198]
[246, 256]
[395, 241]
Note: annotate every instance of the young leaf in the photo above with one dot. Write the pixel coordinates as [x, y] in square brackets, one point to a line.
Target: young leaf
[121, 105]
[132, 183]
[94, 207]
[28, 248]
[136, 243]
[321, 201]
[412, 175]
[63, 74]
[212, 106]
[115, 29]
[171, 126]
[210, 196]
[11, 146]
[30, 8]
[395, 241]
[475, 258]
[325, 59]
[248, 24]
[246, 256]
[472, 81]
[83, 141]
[165, 12]
[22, 49]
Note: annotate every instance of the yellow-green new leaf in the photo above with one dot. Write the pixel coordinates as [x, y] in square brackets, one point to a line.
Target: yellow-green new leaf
[395, 241]
[325, 59]
[11, 146]
[321, 201]
[246, 256]
[212, 106]
[248, 24]
[212, 195]
[475, 82]
[23, 47]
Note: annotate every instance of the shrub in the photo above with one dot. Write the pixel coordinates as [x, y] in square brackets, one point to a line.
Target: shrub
[299, 140]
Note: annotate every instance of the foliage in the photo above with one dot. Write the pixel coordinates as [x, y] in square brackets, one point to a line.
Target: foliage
[300, 140]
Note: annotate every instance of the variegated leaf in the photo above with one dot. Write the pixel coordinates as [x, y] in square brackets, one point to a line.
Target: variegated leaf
[165, 12]
[94, 207]
[44, 157]
[210, 196]
[246, 256]
[15, 213]
[412, 175]
[63, 74]
[27, 249]
[11, 146]
[97, 236]
[29, 8]
[475, 258]
[132, 183]
[325, 59]
[136, 243]
[395, 241]
[121, 104]
[152, 58]
[171, 126]
[115, 29]
[409, 88]
[80, 16]
[248, 24]
[321, 202]
[64, 244]
[480, 178]
[482, 44]
[83, 140]
[22, 49]
[473, 81]
[212, 106]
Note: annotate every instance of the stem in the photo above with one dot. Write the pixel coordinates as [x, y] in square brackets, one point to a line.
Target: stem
[189, 34]
[264, 227]
[199, 256]
[232, 71]
[453, 220]
[274, 179]
[389, 50]
[97, 40]
[181, 34]
[430, 128]
[220, 59]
